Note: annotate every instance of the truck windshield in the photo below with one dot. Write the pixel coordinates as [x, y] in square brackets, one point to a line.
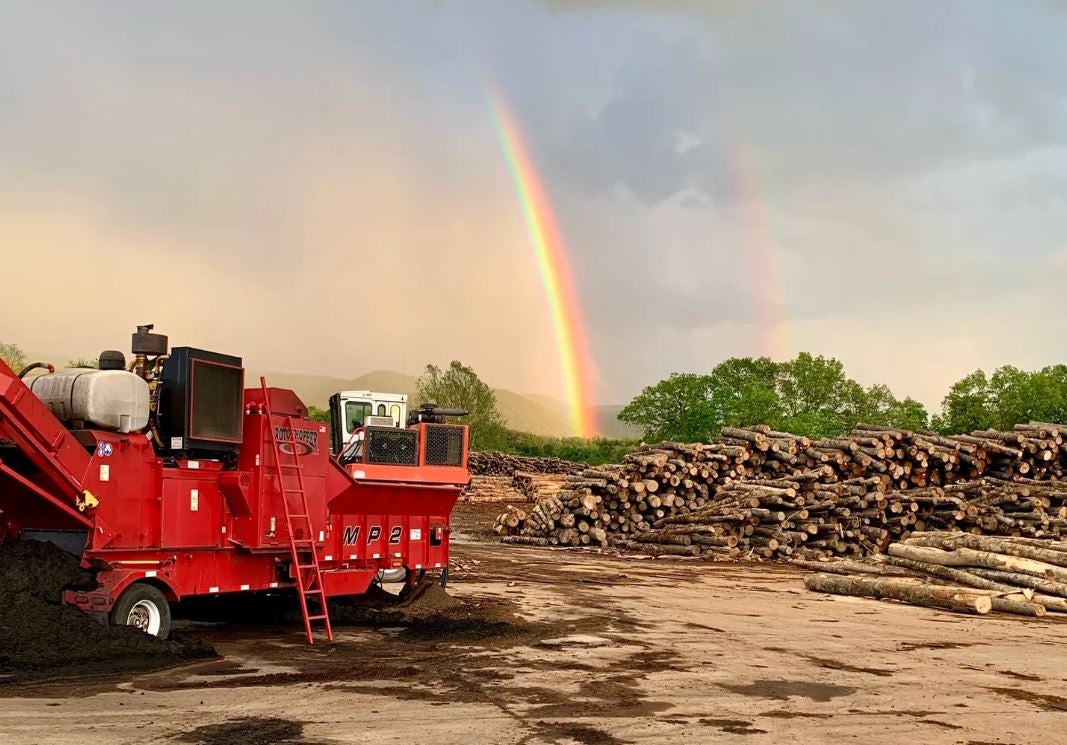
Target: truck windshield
[356, 413]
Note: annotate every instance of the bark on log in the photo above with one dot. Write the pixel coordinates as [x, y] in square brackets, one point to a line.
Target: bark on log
[965, 557]
[1046, 586]
[848, 567]
[1018, 607]
[660, 548]
[958, 576]
[988, 543]
[914, 593]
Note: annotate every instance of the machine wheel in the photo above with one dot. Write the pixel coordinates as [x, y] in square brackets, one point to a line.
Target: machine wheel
[144, 607]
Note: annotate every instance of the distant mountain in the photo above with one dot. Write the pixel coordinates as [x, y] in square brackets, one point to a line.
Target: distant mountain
[541, 415]
[315, 390]
[608, 424]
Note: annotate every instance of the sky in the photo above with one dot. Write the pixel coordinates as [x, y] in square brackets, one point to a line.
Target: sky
[318, 187]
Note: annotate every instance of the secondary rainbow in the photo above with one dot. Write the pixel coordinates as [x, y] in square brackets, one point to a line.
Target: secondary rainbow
[553, 267]
[765, 252]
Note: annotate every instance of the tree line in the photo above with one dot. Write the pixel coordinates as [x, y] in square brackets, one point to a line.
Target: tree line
[808, 395]
[814, 397]
[15, 358]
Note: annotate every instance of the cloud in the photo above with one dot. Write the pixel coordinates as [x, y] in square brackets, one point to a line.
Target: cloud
[881, 182]
[251, 188]
[868, 93]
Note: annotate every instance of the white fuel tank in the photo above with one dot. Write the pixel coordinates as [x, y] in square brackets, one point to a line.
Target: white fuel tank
[115, 400]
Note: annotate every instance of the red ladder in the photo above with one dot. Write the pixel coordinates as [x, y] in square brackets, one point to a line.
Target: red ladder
[302, 549]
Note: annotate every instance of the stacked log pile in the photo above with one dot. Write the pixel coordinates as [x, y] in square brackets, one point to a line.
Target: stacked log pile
[957, 571]
[538, 486]
[522, 487]
[758, 493]
[483, 489]
[501, 464]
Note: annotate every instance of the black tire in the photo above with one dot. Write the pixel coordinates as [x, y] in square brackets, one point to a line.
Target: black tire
[151, 608]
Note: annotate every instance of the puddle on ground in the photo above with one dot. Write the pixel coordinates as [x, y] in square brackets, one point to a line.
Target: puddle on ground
[580, 733]
[733, 726]
[784, 689]
[247, 731]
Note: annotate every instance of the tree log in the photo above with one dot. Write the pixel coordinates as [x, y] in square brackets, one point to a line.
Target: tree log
[958, 576]
[849, 567]
[965, 557]
[1046, 586]
[934, 596]
[1004, 546]
[1018, 607]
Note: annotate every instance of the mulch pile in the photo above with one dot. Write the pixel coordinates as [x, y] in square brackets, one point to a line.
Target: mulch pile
[39, 635]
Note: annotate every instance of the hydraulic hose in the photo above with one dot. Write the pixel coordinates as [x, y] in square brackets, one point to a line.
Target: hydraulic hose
[36, 366]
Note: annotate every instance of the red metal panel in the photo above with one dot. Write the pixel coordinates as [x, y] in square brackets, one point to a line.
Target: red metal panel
[125, 477]
[416, 551]
[350, 536]
[264, 528]
[204, 573]
[347, 582]
[376, 546]
[191, 510]
[59, 459]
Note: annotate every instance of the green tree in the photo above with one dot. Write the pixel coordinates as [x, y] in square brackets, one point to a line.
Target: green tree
[1055, 409]
[458, 386]
[1007, 397]
[880, 406]
[316, 414]
[1020, 396]
[968, 406]
[13, 355]
[910, 414]
[678, 408]
[82, 362]
[816, 397]
[808, 395]
[744, 391]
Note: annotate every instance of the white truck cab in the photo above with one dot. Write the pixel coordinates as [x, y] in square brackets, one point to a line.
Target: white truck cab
[355, 409]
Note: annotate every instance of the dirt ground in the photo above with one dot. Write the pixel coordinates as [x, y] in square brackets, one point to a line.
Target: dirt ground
[570, 646]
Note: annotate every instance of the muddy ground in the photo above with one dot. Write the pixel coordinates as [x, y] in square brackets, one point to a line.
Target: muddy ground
[575, 647]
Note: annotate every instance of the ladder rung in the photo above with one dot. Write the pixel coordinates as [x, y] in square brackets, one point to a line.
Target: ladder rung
[299, 545]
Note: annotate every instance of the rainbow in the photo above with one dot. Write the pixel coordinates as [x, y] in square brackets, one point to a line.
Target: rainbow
[554, 268]
[764, 252]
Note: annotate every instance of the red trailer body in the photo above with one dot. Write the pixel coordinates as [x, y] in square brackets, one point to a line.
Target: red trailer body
[219, 525]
